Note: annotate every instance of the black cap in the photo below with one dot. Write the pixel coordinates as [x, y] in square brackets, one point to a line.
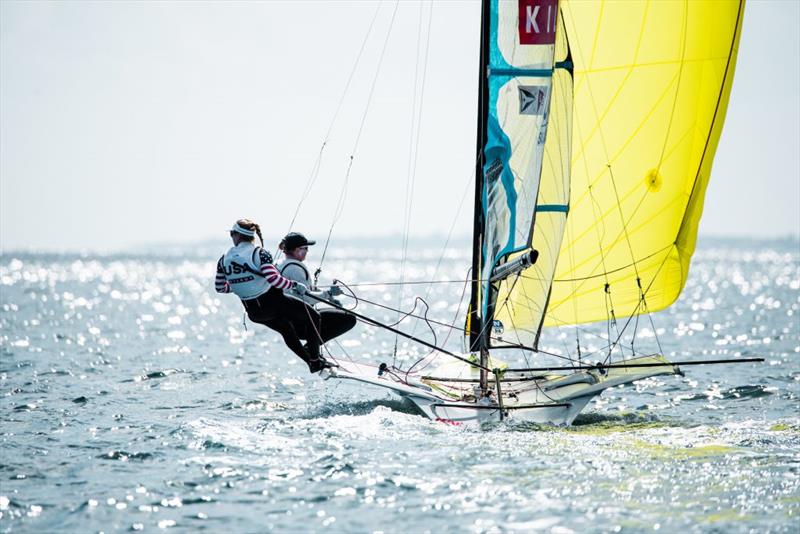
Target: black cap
[294, 240]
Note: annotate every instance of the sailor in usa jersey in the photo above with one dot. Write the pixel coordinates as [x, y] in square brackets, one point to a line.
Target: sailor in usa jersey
[248, 272]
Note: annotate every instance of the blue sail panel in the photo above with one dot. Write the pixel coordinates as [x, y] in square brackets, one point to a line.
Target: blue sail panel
[521, 59]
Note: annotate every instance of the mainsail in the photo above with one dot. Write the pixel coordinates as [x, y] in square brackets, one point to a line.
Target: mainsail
[637, 99]
[518, 82]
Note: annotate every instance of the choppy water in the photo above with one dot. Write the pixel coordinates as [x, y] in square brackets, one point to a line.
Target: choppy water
[133, 399]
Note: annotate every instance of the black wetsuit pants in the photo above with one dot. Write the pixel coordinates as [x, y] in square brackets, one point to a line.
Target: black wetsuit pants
[335, 323]
[292, 319]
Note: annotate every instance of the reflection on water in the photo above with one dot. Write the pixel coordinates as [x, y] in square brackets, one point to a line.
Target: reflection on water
[134, 399]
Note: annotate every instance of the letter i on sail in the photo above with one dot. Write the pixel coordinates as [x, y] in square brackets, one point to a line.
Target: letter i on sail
[537, 21]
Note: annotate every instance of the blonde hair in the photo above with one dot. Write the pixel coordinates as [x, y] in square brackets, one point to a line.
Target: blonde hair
[247, 224]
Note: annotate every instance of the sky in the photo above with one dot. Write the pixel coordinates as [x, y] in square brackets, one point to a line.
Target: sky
[124, 124]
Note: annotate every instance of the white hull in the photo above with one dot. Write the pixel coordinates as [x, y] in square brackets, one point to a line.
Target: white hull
[554, 399]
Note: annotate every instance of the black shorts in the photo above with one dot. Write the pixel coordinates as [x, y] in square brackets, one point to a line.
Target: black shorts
[266, 307]
[273, 306]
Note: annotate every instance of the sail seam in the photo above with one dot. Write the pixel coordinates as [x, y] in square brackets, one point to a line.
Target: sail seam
[677, 86]
[628, 266]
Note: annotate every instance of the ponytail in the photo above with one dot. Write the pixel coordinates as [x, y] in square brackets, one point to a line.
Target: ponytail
[258, 233]
[250, 225]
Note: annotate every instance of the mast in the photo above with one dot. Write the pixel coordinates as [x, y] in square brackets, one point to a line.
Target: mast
[477, 337]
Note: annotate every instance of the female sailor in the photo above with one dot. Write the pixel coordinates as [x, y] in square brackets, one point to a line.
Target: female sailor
[334, 322]
[247, 271]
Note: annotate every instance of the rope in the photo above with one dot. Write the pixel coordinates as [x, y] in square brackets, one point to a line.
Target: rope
[642, 302]
[418, 282]
[450, 234]
[450, 326]
[375, 322]
[642, 298]
[453, 326]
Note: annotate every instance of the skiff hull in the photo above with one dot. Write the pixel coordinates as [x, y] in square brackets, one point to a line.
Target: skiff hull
[554, 399]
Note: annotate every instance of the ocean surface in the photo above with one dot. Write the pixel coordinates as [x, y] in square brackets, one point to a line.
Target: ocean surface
[134, 398]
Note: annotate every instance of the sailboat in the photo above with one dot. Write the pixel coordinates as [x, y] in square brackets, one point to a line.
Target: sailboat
[597, 127]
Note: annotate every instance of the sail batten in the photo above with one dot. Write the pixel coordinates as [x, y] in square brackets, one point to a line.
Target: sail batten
[511, 72]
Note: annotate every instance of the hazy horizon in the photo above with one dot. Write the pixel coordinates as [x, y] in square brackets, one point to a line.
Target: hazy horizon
[213, 246]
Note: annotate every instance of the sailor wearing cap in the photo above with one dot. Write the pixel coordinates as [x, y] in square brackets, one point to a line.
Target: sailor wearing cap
[247, 271]
[295, 247]
[334, 322]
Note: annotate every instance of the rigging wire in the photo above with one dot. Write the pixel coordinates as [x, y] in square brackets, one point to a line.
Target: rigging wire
[413, 147]
[409, 200]
[312, 178]
[343, 193]
[416, 282]
[609, 303]
[525, 356]
[633, 256]
[511, 315]
[642, 297]
[469, 186]
[595, 206]
[454, 326]
[640, 303]
[574, 290]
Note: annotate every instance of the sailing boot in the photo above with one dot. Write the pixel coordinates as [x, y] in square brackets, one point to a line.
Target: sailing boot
[316, 361]
[315, 366]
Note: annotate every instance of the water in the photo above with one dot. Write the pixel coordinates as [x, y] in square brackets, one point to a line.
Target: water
[134, 399]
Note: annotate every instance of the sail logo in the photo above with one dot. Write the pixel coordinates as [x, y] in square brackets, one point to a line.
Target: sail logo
[532, 99]
[537, 21]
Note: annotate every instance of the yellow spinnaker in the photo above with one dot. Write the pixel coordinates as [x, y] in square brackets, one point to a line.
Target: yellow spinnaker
[651, 87]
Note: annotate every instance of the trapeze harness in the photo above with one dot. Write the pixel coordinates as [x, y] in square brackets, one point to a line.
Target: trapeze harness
[248, 272]
[295, 270]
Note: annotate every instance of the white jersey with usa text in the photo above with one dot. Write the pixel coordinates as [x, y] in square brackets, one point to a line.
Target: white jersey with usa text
[247, 271]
